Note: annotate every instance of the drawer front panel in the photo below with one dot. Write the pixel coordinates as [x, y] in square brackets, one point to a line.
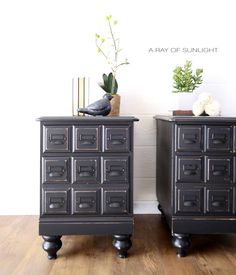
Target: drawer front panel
[219, 138]
[86, 170]
[116, 139]
[189, 200]
[56, 170]
[56, 139]
[116, 169]
[219, 170]
[189, 138]
[87, 138]
[219, 201]
[115, 201]
[86, 201]
[56, 201]
[189, 169]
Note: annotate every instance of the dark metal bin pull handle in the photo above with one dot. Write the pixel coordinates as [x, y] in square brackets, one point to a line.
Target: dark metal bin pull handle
[86, 174]
[116, 173]
[190, 141]
[57, 139]
[189, 203]
[114, 205]
[219, 141]
[219, 173]
[85, 205]
[87, 139]
[116, 139]
[55, 205]
[55, 174]
[217, 203]
[190, 172]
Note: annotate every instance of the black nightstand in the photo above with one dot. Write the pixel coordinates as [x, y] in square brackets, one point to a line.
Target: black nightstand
[196, 175]
[86, 179]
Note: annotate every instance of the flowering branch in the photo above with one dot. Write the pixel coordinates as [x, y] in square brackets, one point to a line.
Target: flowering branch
[113, 62]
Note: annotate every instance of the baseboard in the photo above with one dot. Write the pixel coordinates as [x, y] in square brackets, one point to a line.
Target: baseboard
[146, 207]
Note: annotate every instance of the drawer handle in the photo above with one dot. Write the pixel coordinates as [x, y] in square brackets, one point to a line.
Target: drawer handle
[87, 139]
[190, 141]
[219, 141]
[118, 141]
[55, 174]
[115, 205]
[218, 173]
[55, 205]
[86, 174]
[189, 203]
[57, 139]
[85, 205]
[190, 172]
[218, 203]
[116, 173]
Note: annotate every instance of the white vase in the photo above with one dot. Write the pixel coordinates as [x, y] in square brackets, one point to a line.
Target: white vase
[183, 101]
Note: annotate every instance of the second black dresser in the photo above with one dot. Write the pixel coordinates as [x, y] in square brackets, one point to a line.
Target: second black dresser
[196, 175]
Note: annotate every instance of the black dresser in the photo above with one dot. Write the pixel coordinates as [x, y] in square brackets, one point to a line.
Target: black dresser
[196, 176]
[86, 182]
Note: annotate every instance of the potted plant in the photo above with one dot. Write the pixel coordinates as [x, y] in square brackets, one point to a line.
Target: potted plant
[109, 84]
[186, 81]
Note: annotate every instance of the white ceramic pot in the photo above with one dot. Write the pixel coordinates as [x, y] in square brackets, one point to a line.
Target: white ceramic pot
[183, 101]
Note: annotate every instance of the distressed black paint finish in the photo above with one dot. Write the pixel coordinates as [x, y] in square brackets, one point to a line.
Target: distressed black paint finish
[196, 175]
[86, 179]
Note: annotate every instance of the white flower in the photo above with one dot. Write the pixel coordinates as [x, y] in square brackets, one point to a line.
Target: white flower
[213, 108]
[205, 98]
[198, 108]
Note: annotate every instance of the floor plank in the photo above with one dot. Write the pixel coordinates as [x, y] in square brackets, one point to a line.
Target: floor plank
[21, 252]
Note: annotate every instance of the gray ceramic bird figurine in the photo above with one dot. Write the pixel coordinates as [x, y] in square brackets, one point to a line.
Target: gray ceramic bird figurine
[100, 107]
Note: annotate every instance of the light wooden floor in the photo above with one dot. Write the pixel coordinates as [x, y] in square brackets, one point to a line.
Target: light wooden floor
[152, 252]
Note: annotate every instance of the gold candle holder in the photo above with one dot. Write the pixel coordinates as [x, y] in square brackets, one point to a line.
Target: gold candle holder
[80, 94]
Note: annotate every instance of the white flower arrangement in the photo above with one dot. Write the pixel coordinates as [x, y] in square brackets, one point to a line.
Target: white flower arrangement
[207, 104]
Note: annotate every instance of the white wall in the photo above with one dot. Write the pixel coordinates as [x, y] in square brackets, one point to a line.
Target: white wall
[44, 43]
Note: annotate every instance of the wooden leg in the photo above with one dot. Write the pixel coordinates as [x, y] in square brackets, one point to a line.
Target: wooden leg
[122, 243]
[180, 242]
[51, 245]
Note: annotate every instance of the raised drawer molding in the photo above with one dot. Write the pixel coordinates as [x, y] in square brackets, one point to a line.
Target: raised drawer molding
[196, 176]
[86, 179]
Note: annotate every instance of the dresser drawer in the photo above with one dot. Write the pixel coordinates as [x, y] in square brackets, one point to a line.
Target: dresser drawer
[116, 138]
[56, 139]
[115, 201]
[86, 201]
[219, 200]
[189, 138]
[86, 170]
[56, 201]
[219, 169]
[189, 200]
[219, 138]
[116, 170]
[87, 138]
[56, 170]
[189, 169]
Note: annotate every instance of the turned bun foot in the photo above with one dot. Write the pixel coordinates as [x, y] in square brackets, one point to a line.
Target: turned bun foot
[122, 243]
[51, 245]
[181, 242]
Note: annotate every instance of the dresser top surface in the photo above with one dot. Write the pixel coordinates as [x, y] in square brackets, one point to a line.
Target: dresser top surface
[196, 118]
[87, 118]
